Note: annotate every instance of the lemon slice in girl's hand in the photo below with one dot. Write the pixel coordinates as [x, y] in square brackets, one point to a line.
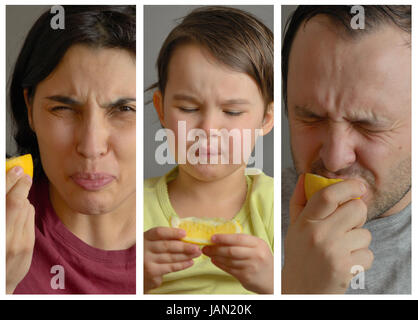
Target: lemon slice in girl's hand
[24, 161]
[199, 231]
[314, 183]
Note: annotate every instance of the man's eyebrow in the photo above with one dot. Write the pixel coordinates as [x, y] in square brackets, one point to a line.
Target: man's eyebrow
[72, 102]
[120, 102]
[366, 118]
[302, 111]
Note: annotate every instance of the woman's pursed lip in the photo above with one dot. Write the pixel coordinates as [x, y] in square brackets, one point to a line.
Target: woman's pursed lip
[92, 181]
[92, 175]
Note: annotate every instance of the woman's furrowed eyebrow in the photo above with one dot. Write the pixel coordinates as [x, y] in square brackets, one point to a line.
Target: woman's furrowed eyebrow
[64, 100]
[72, 102]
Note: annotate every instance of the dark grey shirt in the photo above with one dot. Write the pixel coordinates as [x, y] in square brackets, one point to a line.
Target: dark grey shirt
[391, 246]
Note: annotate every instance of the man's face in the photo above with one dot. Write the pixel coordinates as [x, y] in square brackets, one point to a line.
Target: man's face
[349, 104]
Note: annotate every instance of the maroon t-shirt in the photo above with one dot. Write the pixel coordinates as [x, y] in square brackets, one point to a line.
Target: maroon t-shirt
[62, 263]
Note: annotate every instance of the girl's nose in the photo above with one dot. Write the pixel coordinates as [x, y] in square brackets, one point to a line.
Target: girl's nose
[338, 148]
[92, 136]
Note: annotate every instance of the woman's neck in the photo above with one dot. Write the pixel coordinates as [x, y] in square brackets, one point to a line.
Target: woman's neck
[114, 230]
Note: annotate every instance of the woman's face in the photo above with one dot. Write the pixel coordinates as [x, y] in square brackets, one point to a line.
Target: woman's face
[224, 105]
[84, 118]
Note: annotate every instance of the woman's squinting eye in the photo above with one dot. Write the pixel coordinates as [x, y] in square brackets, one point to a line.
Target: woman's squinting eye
[61, 108]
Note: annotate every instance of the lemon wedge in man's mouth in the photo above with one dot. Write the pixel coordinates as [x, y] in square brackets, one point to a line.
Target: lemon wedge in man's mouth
[200, 230]
[314, 183]
[24, 161]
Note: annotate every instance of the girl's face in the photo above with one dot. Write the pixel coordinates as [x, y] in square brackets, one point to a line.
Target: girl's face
[223, 104]
[84, 118]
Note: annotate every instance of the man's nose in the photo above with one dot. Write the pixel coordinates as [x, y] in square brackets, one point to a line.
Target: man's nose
[92, 136]
[338, 147]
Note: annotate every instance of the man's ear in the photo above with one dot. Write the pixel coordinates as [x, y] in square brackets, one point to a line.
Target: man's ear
[157, 99]
[29, 107]
[268, 121]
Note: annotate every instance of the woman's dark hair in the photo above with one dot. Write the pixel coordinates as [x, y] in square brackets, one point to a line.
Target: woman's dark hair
[233, 37]
[374, 17]
[44, 47]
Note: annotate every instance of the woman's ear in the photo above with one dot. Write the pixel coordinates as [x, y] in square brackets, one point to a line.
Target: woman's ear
[157, 99]
[29, 107]
[268, 121]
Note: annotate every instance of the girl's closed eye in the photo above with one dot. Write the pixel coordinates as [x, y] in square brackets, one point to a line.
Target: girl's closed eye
[188, 109]
[233, 113]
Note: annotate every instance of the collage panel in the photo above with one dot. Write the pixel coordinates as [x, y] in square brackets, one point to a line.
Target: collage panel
[346, 149]
[71, 144]
[208, 158]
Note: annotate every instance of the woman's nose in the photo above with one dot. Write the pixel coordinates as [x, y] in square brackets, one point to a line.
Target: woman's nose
[92, 136]
[338, 148]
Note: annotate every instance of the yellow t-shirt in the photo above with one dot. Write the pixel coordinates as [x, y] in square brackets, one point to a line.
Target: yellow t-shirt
[255, 216]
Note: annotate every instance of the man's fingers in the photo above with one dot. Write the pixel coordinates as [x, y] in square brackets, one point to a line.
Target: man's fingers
[357, 239]
[298, 199]
[363, 258]
[350, 215]
[326, 201]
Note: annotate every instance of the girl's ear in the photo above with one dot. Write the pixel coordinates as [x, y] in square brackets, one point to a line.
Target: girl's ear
[157, 99]
[268, 121]
[29, 107]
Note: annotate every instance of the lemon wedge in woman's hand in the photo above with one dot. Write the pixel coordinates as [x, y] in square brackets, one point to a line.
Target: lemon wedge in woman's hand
[314, 183]
[24, 161]
[199, 231]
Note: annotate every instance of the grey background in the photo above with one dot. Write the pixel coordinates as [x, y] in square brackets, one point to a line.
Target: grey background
[286, 153]
[19, 20]
[158, 22]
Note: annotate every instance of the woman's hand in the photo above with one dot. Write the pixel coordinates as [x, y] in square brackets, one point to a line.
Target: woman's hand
[245, 257]
[165, 253]
[20, 227]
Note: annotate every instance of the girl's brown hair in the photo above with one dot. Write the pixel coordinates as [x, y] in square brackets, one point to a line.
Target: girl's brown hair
[233, 37]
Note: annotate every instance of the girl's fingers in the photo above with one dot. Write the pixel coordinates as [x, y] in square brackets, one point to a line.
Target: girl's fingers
[174, 267]
[164, 233]
[174, 257]
[172, 246]
[236, 239]
[230, 252]
[230, 263]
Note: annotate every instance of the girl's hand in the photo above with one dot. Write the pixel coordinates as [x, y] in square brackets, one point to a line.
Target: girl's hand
[245, 257]
[20, 227]
[165, 253]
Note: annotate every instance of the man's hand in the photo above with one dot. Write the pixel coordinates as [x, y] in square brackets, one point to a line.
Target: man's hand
[165, 253]
[325, 239]
[20, 227]
[245, 257]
